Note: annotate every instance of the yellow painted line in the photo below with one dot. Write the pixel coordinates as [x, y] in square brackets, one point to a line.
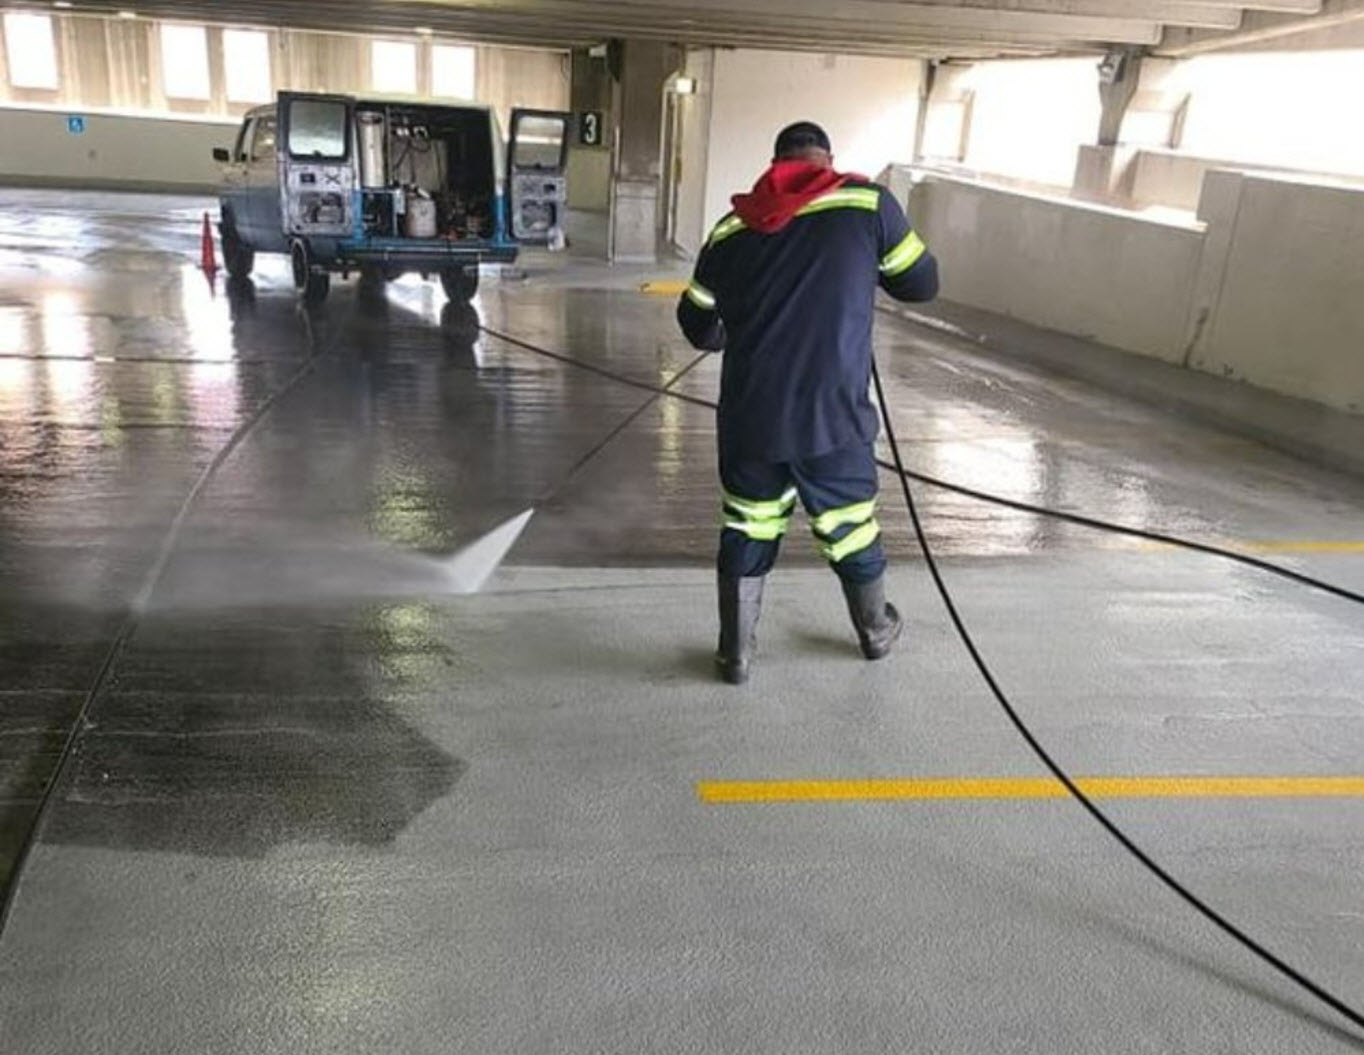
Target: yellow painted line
[1303, 547]
[717, 792]
[662, 288]
[1273, 546]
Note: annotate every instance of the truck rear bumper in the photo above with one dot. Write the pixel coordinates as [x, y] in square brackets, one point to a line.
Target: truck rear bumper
[425, 255]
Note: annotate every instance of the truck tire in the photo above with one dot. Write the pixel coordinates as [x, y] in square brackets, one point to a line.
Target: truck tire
[312, 284]
[240, 259]
[460, 283]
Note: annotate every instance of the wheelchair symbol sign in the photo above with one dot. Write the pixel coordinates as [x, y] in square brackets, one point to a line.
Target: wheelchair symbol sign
[75, 124]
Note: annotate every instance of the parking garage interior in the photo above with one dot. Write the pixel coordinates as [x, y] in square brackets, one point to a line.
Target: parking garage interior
[356, 651]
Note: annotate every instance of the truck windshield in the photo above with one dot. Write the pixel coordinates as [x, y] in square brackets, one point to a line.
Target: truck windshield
[317, 129]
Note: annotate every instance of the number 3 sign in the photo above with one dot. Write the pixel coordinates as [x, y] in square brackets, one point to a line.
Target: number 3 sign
[590, 128]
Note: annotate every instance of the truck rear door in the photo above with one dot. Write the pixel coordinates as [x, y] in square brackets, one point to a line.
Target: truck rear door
[537, 155]
[316, 164]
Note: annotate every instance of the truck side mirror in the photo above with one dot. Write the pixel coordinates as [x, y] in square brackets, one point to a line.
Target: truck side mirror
[222, 155]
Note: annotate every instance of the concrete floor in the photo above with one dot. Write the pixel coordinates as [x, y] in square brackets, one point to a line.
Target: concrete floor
[322, 805]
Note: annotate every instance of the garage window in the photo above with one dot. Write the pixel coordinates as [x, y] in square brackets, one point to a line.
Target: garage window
[452, 72]
[393, 67]
[184, 62]
[31, 51]
[246, 66]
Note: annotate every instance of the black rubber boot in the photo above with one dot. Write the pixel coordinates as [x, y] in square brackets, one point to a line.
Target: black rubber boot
[877, 622]
[741, 603]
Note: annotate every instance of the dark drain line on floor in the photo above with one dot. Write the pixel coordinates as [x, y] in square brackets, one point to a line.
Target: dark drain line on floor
[130, 624]
[904, 475]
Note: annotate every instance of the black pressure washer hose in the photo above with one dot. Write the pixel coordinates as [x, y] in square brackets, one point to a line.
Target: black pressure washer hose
[1060, 774]
[904, 475]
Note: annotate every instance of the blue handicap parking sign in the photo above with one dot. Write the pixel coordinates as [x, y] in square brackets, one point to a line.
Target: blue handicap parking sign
[75, 125]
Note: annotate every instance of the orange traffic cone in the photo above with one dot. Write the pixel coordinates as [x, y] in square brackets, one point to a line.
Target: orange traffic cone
[208, 258]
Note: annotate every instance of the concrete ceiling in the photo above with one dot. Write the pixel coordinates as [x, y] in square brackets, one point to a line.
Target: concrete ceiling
[928, 28]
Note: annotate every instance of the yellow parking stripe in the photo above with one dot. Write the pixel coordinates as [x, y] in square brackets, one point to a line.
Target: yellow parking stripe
[719, 792]
[1268, 545]
[664, 288]
[1304, 546]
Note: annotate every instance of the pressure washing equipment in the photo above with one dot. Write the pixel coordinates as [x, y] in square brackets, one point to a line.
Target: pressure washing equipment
[897, 466]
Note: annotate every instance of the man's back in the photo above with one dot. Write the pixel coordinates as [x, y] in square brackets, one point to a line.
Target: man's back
[786, 286]
[796, 305]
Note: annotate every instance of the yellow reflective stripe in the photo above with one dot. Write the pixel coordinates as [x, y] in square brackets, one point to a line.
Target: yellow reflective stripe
[759, 531]
[828, 523]
[700, 296]
[725, 228]
[845, 198]
[853, 542]
[773, 509]
[903, 256]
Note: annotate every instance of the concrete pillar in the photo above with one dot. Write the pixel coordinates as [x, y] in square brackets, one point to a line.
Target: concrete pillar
[592, 91]
[943, 132]
[636, 177]
[1103, 172]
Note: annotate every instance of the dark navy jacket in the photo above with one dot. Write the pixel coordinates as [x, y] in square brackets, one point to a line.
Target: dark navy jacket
[792, 311]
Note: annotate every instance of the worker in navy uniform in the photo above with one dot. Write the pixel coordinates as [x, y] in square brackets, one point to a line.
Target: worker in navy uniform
[786, 285]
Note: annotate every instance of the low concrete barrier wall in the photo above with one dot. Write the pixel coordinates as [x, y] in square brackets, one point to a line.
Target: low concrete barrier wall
[1280, 297]
[1266, 288]
[111, 150]
[1086, 270]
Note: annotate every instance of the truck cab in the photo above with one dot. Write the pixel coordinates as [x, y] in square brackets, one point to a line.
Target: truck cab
[388, 186]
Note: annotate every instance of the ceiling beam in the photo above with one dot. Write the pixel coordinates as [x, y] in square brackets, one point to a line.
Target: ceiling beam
[1261, 28]
[708, 21]
[530, 28]
[871, 17]
[1167, 11]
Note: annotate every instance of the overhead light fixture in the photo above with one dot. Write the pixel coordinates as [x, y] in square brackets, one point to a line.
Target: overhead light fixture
[127, 14]
[685, 86]
[423, 31]
[61, 3]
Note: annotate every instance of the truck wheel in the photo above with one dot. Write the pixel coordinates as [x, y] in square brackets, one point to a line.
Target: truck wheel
[240, 259]
[312, 284]
[460, 283]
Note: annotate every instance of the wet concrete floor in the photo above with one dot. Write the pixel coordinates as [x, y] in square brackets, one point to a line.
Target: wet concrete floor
[322, 804]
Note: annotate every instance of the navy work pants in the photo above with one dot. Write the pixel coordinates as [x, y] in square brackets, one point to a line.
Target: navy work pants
[838, 491]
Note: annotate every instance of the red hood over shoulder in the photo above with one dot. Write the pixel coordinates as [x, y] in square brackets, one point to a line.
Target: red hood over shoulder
[782, 191]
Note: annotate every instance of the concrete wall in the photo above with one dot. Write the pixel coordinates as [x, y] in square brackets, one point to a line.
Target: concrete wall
[589, 178]
[1086, 270]
[695, 152]
[868, 105]
[110, 70]
[1279, 293]
[114, 151]
[1265, 289]
[1175, 180]
[519, 77]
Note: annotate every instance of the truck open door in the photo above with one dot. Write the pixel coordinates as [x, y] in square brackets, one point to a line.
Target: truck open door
[537, 157]
[316, 165]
